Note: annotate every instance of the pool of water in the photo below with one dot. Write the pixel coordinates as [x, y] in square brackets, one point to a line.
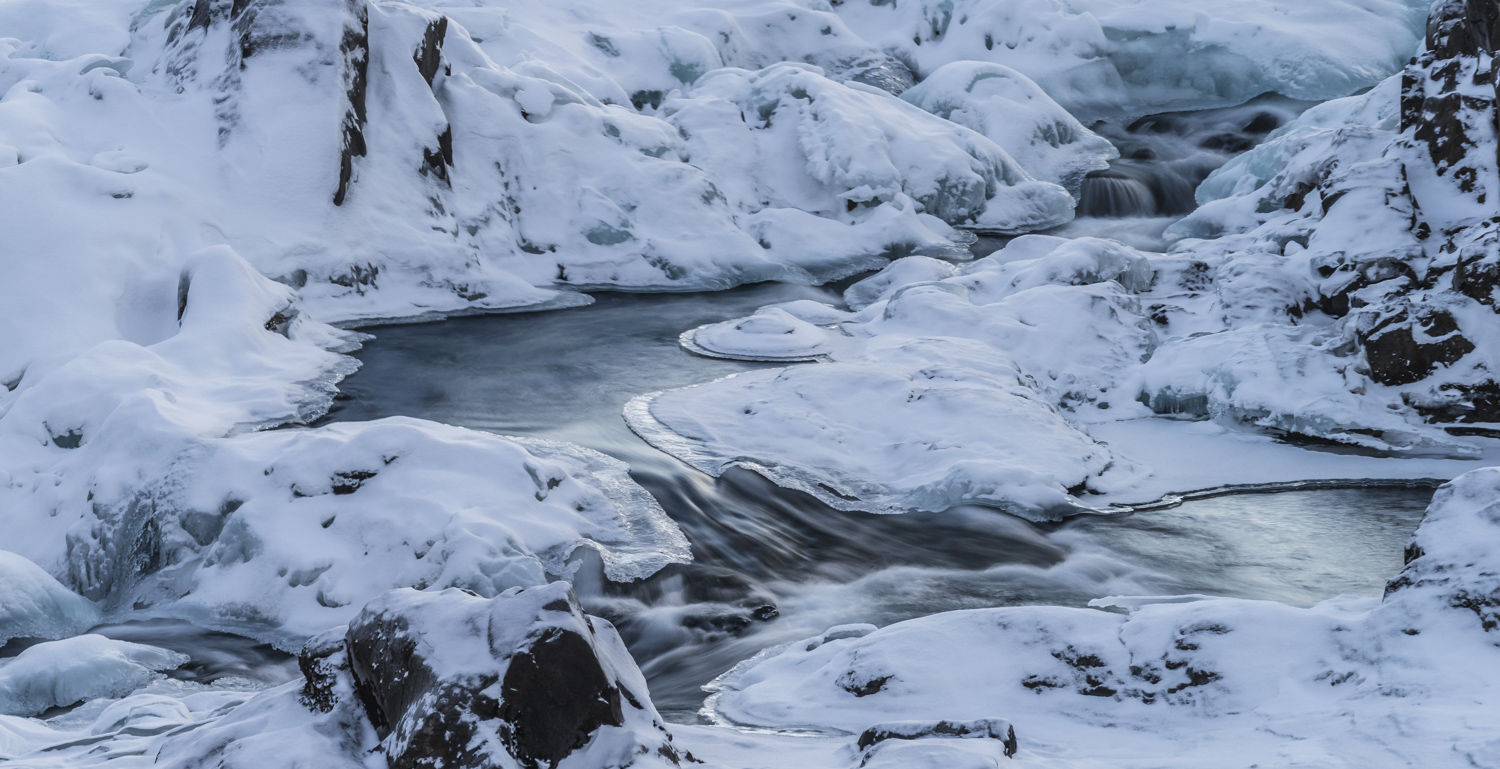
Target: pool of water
[773, 565]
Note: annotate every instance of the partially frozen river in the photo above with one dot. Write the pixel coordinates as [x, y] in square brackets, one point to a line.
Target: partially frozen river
[566, 375]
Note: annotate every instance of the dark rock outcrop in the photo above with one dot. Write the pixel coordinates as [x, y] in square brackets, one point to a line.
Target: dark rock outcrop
[984, 728]
[1402, 349]
[453, 680]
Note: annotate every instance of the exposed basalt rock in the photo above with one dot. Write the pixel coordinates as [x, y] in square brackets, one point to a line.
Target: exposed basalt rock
[429, 55]
[1401, 350]
[354, 48]
[984, 728]
[451, 680]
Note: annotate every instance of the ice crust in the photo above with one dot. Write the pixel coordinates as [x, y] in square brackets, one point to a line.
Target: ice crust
[35, 605]
[60, 673]
[942, 391]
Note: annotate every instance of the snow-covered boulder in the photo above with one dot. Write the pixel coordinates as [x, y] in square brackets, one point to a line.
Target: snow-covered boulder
[59, 673]
[456, 680]
[827, 147]
[35, 605]
[1018, 115]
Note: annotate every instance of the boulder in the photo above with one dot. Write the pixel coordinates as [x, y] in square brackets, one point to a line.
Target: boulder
[450, 679]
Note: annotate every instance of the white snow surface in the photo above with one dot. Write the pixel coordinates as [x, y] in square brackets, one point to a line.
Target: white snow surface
[1238, 325]
[58, 673]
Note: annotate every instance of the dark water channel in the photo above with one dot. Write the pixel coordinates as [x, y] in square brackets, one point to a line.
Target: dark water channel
[774, 565]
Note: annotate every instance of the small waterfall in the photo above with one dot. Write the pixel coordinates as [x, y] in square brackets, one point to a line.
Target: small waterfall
[1163, 158]
[1114, 194]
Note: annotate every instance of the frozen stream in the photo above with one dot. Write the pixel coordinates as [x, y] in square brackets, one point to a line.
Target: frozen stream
[566, 375]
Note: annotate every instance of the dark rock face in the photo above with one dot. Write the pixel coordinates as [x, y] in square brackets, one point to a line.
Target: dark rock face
[1401, 350]
[984, 728]
[355, 50]
[555, 695]
[450, 679]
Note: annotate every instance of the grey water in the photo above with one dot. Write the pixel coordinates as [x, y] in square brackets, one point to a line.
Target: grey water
[773, 565]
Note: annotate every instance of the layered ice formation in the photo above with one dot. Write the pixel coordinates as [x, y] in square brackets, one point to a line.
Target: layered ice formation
[60, 673]
[35, 605]
[195, 195]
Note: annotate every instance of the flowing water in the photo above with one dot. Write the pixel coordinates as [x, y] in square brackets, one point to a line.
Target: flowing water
[773, 565]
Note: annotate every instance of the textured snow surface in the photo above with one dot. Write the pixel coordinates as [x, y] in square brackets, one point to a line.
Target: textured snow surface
[1102, 56]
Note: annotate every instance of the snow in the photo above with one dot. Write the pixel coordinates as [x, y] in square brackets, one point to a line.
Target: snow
[197, 195]
[1018, 115]
[59, 673]
[35, 605]
[1266, 323]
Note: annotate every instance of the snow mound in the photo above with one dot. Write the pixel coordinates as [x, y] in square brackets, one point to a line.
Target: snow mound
[1308, 685]
[932, 401]
[85, 667]
[34, 605]
[1018, 115]
[947, 387]
[830, 147]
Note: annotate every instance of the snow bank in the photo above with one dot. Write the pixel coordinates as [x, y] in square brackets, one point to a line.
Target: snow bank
[134, 472]
[34, 605]
[59, 673]
[1179, 682]
[1018, 115]
[825, 147]
[941, 392]
[1141, 56]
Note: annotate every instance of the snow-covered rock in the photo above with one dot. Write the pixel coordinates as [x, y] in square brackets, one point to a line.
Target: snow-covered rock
[452, 679]
[822, 146]
[35, 605]
[1018, 115]
[59, 673]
